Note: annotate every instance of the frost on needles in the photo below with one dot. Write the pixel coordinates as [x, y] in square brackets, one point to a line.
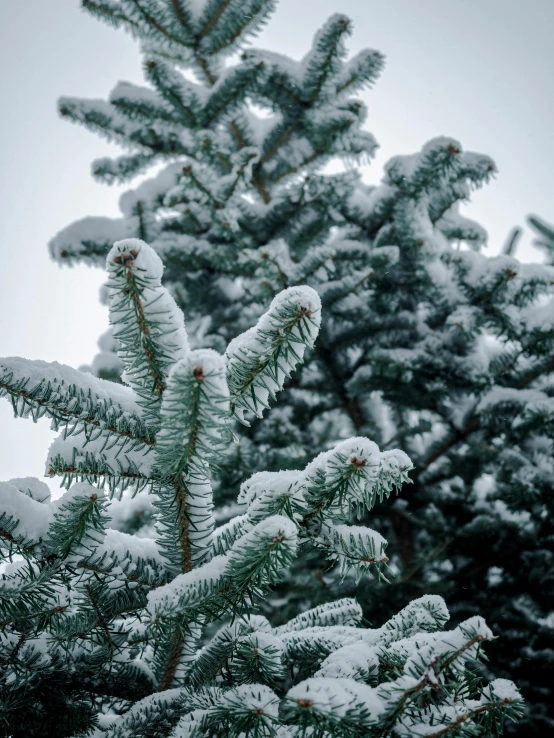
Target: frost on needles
[110, 634]
[427, 342]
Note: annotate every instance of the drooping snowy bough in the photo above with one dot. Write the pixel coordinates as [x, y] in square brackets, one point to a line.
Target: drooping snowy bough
[110, 634]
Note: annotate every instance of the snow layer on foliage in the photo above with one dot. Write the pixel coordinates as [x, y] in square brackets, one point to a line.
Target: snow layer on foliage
[260, 359]
[356, 473]
[152, 191]
[197, 8]
[146, 259]
[429, 723]
[75, 238]
[37, 647]
[74, 501]
[116, 459]
[272, 527]
[194, 415]
[190, 725]
[268, 492]
[263, 640]
[393, 460]
[368, 200]
[428, 613]
[251, 697]
[454, 225]
[405, 647]
[61, 377]
[118, 545]
[485, 490]
[485, 271]
[226, 534]
[377, 472]
[281, 483]
[355, 661]
[425, 663]
[156, 701]
[539, 317]
[279, 62]
[345, 612]
[503, 689]
[200, 517]
[167, 598]
[500, 395]
[473, 630]
[336, 697]
[360, 447]
[330, 637]
[422, 614]
[188, 586]
[128, 91]
[165, 318]
[33, 517]
[260, 126]
[404, 168]
[32, 487]
[198, 381]
[77, 490]
[276, 529]
[353, 537]
[128, 507]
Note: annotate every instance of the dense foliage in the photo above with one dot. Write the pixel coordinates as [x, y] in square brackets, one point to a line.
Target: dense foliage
[426, 342]
[109, 634]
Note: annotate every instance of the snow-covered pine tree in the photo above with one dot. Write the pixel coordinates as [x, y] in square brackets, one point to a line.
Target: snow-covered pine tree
[426, 342]
[107, 634]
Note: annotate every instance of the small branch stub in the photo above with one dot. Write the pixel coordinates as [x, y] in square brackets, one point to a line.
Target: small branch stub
[127, 258]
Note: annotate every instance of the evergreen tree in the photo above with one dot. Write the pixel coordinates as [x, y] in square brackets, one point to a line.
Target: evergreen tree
[426, 342]
[544, 236]
[108, 634]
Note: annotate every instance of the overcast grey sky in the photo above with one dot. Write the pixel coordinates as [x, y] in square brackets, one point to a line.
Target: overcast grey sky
[478, 70]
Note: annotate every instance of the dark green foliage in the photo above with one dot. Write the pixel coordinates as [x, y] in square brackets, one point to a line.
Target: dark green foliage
[426, 343]
[157, 637]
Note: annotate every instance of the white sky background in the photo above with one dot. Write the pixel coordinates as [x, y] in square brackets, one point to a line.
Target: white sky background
[478, 70]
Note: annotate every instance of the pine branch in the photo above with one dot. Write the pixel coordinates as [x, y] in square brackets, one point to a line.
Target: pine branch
[260, 359]
[154, 23]
[149, 326]
[71, 399]
[181, 17]
[213, 20]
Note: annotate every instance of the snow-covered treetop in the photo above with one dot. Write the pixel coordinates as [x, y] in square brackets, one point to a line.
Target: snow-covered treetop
[256, 127]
